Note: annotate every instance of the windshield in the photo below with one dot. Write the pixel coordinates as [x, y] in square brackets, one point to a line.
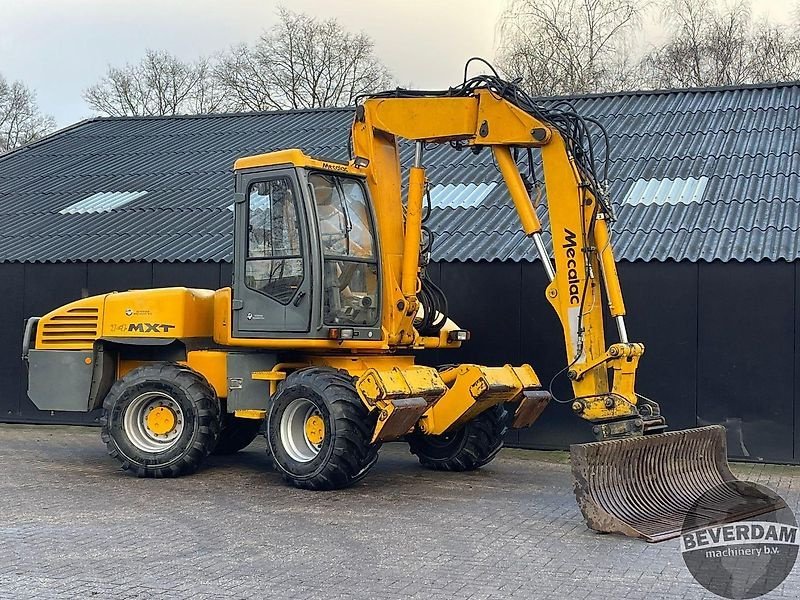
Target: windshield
[348, 246]
[344, 220]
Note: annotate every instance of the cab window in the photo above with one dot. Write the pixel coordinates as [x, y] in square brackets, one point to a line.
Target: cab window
[274, 264]
[349, 250]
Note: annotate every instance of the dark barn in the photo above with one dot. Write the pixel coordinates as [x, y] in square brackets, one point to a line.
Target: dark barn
[705, 183]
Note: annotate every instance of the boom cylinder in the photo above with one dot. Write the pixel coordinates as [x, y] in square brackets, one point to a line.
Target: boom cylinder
[613, 290]
[413, 234]
[516, 187]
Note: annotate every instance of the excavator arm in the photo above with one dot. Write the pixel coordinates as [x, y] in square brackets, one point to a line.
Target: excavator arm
[633, 480]
[583, 275]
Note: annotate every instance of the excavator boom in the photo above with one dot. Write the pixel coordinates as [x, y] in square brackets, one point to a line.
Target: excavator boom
[635, 480]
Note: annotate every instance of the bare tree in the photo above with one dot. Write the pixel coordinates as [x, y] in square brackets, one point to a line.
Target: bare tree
[717, 45]
[160, 84]
[21, 121]
[209, 95]
[568, 46]
[302, 62]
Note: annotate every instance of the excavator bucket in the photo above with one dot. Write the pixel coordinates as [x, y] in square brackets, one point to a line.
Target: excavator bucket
[648, 487]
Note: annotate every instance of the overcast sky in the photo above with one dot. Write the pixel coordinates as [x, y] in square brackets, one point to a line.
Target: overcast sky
[59, 47]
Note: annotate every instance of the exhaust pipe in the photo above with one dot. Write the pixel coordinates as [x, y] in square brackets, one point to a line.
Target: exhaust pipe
[648, 487]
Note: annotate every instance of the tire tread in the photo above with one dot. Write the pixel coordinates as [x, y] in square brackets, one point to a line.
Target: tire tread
[352, 454]
[206, 406]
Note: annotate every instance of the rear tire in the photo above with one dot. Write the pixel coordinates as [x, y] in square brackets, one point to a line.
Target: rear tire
[472, 446]
[236, 434]
[318, 430]
[160, 420]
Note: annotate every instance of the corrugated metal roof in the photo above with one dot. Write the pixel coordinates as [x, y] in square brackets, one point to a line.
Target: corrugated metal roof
[715, 175]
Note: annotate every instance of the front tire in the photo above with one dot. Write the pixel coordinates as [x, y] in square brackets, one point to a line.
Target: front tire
[472, 446]
[318, 430]
[160, 420]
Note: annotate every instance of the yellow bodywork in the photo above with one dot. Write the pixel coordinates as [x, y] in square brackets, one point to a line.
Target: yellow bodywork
[159, 313]
[483, 119]
[383, 381]
[471, 390]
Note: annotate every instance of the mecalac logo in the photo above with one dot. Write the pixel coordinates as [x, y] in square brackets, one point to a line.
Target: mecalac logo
[570, 244]
[150, 327]
[334, 167]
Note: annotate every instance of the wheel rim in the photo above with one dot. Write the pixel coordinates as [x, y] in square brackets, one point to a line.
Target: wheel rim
[445, 441]
[441, 447]
[302, 430]
[153, 422]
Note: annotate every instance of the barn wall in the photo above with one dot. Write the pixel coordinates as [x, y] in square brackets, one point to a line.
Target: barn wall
[722, 339]
[721, 343]
[746, 337]
[796, 360]
[12, 285]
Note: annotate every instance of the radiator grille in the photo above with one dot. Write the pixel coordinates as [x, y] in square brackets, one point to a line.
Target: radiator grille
[75, 326]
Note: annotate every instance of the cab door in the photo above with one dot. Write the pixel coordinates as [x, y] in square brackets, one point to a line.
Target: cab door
[272, 280]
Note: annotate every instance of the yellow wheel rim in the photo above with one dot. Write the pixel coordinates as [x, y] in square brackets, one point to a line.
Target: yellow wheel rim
[315, 429]
[161, 420]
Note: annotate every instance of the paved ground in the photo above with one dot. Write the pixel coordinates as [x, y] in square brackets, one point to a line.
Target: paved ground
[72, 525]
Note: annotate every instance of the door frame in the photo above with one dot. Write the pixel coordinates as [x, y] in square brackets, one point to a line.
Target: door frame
[241, 292]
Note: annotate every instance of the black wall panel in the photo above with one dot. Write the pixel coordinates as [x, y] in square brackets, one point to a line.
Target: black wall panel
[119, 277]
[796, 362]
[196, 275]
[48, 286]
[12, 283]
[722, 340]
[746, 357]
[485, 299]
[225, 275]
[661, 302]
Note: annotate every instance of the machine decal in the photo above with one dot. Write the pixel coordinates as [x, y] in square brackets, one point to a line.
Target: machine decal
[572, 271]
[150, 327]
[332, 167]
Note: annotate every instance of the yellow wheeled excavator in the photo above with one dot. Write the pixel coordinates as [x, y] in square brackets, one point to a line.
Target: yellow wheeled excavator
[316, 339]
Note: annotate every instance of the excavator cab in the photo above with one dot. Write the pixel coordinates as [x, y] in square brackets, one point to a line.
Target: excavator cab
[306, 254]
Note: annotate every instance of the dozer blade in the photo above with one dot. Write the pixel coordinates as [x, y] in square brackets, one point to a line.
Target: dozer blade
[646, 487]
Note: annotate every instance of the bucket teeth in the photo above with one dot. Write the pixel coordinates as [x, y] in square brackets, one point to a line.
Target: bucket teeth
[645, 487]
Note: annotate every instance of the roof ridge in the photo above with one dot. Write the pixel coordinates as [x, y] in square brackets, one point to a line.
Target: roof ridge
[47, 138]
[676, 91]
[227, 114]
